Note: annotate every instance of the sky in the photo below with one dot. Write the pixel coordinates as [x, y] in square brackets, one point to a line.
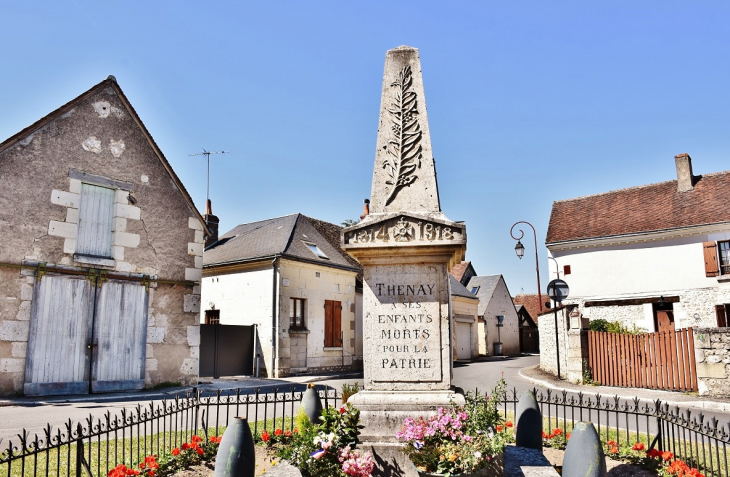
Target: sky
[528, 102]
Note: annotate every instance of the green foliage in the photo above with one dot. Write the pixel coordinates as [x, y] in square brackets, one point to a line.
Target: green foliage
[167, 384]
[615, 327]
[588, 375]
[349, 390]
[349, 222]
[483, 411]
[301, 420]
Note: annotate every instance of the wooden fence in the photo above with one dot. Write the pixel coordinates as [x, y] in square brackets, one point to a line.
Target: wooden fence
[661, 360]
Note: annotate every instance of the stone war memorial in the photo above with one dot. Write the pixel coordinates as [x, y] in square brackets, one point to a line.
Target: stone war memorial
[407, 247]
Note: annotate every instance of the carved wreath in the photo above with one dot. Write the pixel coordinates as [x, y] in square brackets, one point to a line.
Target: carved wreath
[404, 148]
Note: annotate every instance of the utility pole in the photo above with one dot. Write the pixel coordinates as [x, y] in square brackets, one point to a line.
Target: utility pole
[207, 155]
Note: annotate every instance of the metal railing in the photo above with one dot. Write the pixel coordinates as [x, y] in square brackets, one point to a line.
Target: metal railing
[699, 442]
[99, 444]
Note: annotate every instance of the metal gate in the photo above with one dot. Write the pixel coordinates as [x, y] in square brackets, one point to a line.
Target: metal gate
[226, 350]
[86, 335]
[529, 342]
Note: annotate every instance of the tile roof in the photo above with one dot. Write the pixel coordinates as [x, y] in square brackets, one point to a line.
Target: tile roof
[331, 233]
[285, 236]
[457, 289]
[458, 270]
[487, 284]
[531, 303]
[109, 82]
[647, 208]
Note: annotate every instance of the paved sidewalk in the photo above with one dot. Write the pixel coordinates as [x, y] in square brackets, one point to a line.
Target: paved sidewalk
[205, 385]
[543, 379]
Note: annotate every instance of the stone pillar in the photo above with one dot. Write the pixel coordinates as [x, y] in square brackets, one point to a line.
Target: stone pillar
[576, 348]
[406, 246]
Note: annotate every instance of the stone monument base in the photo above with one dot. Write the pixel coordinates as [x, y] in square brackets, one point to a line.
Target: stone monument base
[382, 414]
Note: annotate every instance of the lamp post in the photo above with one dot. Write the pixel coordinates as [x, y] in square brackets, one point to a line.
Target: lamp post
[520, 251]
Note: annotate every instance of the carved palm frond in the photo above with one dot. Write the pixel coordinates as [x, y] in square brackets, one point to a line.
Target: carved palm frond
[404, 148]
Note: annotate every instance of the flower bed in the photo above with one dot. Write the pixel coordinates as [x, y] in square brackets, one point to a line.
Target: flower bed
[460, 440]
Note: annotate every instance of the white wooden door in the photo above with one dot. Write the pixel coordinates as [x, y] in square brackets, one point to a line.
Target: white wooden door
[120, 337]
[463, 340]
[60, 335]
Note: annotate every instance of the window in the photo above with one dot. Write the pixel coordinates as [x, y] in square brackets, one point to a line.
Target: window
[315, 250]
[332, 324]
[212, 317]
[724, 248]
[475, 290]
[96, 210]
[296, 313]
[566, 269]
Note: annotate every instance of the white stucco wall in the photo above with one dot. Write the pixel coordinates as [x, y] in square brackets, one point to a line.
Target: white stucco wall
[664, 266]
[502, 304]
[461, 309]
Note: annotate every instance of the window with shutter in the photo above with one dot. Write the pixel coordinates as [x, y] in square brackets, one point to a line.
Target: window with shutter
[721, 311]
[332, 324]
[711, 268]
[96, 210]
[724, 248]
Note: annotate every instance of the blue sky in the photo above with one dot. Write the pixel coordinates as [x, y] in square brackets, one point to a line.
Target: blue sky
[528, 102]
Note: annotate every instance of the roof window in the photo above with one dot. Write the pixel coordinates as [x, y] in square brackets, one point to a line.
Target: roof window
[475, 290]
[315, 250]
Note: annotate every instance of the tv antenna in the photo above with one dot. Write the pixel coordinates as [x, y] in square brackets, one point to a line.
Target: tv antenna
[207, 155]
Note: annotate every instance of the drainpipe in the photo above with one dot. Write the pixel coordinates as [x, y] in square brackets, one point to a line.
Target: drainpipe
[274, 322]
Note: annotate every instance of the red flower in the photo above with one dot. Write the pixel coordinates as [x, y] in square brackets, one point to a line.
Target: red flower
[288, 434]
[265, 436]
[557, 431]
[296, 430]
[500, 428]
[667, 455]
[185, 446]
[199, 451]
[567, 436]
[653, 453]
[142, 465]
[508, 424]
[639, 446]
[212, 439]
[611, 443]
[176, 451]
[342, 410]
[196, 438]
[613, 450]
[278, 432]
[544, 435]
[151, 473]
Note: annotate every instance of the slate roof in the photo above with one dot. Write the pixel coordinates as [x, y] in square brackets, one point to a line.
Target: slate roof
[457, 289]
[282, 236]
[648, 208]
[109, 82]
[331, 232]
[487, 284]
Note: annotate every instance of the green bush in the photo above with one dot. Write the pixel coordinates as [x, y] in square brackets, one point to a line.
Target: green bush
[614, 327]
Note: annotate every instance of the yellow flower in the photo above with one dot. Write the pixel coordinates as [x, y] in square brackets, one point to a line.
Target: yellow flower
[452, 457]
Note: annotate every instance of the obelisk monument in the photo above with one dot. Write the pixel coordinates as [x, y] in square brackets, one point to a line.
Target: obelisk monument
[407, 247]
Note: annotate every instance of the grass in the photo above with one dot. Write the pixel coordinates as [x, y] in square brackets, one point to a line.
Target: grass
[61, 461]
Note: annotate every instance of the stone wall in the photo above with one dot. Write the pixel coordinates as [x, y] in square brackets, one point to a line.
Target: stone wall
[712, 352]
[546, 327]
[154, 231]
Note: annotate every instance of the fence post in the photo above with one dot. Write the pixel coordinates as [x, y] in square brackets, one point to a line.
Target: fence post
[81, 464]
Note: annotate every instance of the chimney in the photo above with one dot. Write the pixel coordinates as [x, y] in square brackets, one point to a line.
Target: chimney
[685, 180]
[365, 209]
[212, 222]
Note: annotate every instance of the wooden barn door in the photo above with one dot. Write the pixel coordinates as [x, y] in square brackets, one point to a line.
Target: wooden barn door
[60, 333]
[120, 337]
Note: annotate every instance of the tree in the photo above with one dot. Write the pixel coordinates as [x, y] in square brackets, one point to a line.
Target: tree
[349, 223]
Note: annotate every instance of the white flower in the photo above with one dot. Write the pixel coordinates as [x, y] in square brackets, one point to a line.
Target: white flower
[478, 455]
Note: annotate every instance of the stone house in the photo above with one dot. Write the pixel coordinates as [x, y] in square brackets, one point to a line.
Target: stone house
[464, 320]
[298, 289]
[656, 256]
[102, 254]
[495, 301]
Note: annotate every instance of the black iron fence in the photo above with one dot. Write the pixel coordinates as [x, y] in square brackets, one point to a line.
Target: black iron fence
[97, 445]
[700, 442]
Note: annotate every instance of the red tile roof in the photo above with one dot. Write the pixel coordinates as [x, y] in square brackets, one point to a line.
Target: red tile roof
[647, 208]
[531, 303]
[458, 270]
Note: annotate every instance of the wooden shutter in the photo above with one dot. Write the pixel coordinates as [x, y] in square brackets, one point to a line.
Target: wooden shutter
[120, 336]
[337, 324]
[711, 268]
[721, 314]
[95, 221]
[328, 323]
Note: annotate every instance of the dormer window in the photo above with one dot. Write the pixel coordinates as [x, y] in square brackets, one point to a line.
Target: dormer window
[475, 290]
[315, 250]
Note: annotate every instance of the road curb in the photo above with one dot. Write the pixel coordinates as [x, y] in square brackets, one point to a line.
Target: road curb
[707, 405]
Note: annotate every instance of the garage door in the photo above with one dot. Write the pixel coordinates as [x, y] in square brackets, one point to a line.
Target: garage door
[463, 340]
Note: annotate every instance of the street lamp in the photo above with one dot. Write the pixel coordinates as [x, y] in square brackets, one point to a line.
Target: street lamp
[520, 251]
